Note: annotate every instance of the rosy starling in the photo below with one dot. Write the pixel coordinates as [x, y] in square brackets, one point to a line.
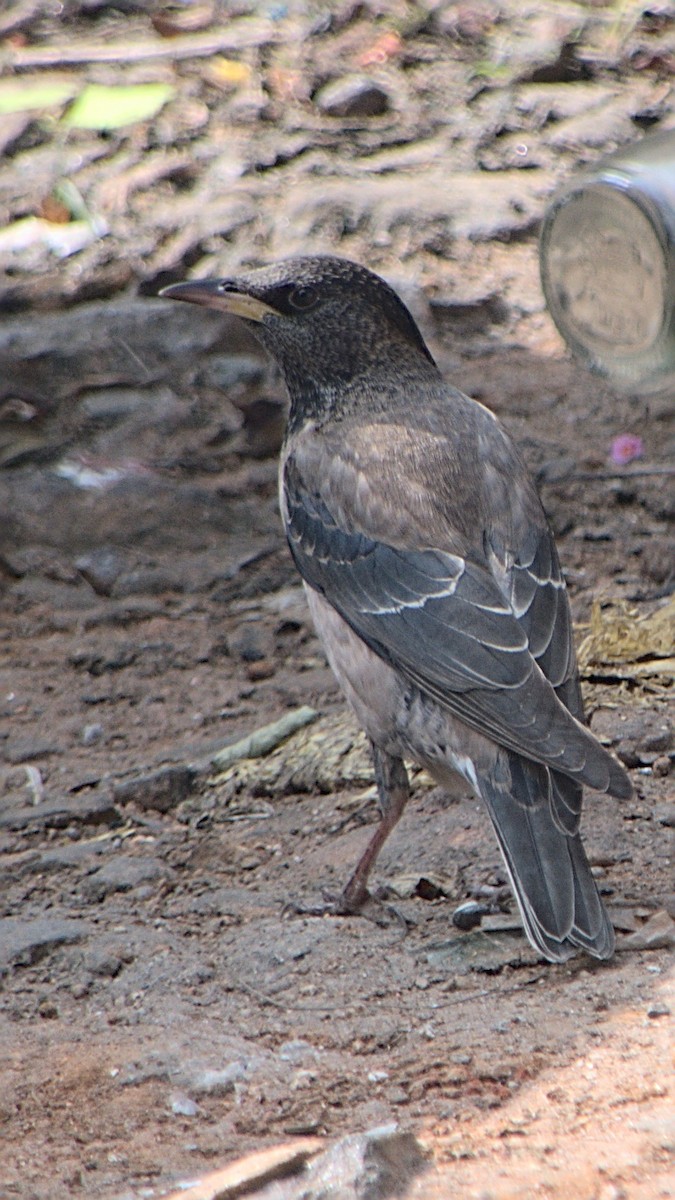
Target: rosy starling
[433, 581]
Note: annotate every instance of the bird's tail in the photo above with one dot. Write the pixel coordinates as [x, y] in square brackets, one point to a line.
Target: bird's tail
[545, 859]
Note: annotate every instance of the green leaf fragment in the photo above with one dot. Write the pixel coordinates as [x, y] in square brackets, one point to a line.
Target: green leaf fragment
[101, 107]
[29, 92]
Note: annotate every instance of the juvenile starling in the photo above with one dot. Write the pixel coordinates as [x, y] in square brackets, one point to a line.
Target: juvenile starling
[433, 581]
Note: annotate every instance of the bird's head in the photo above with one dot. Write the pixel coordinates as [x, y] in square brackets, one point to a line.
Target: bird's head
[325, 320]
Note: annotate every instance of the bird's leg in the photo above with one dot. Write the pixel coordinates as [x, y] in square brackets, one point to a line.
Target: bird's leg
[393, 792]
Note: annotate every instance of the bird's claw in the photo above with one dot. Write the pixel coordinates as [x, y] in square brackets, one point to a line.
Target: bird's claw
[366, 905]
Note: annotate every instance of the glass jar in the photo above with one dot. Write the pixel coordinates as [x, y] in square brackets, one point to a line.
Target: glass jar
[607, 258]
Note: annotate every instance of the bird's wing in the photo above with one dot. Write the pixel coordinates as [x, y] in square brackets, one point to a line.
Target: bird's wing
[444, 623]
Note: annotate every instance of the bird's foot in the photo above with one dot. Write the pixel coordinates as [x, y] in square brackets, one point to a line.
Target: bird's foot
[346, 904]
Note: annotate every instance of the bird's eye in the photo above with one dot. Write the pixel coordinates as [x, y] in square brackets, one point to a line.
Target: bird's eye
[303, 298]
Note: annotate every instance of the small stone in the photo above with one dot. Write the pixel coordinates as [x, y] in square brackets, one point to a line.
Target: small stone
[264, 669]
[353, 96]
[251, 641]
[469, 915]
[91, 734]
[661, 768]
[101, 568]
[183, 1106]
[103, 961]
[656, 934]
[47, 1009]
[219, 1083]
[295, 1051]
[636, 737]
[658, 1010]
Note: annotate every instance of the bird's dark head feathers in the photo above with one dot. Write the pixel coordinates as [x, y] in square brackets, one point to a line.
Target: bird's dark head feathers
[324, 319]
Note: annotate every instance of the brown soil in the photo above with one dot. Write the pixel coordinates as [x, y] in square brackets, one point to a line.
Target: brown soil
[162, 1007]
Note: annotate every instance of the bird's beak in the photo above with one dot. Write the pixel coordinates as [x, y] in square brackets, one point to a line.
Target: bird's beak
[212, 294]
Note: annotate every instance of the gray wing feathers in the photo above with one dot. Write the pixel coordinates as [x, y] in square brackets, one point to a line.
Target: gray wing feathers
[549, 871]
[447, 626]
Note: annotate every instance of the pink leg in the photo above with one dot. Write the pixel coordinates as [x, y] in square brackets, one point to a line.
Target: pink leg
[393, 791]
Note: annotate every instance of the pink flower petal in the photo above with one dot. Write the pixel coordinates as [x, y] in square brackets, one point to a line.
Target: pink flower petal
[625, 448]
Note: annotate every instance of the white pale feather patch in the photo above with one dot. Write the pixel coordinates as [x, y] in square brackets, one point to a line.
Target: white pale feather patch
[464, 767]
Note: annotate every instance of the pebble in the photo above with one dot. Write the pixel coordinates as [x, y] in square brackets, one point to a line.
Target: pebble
[658, 1010]
[636, 737]
[47, 1009]
[91, 734]
[183, 1106]
[252, 642]
[218, 1083]
[295, 1051]
[101, 568]
[665, 814]
[353, 96]
[106, 962]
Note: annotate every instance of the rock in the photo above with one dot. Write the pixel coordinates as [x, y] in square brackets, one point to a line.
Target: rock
[133, 342]
[636, 737]
[252, 641]
[47, 1009]
[109, 406]
[367, 1166]
[665, 814]
[121, 874]
[85, 808]
[25, 748]
[24, 942]
[67, 856]
[218, 1082]
[656, 934]
[101, 567]
[91, 734]
[106, 961]
[353, 96]
[159, 790]
[183, 1106]
[97, 662]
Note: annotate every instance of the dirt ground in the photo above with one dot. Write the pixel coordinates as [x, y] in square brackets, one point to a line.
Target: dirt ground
[163, 1009]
